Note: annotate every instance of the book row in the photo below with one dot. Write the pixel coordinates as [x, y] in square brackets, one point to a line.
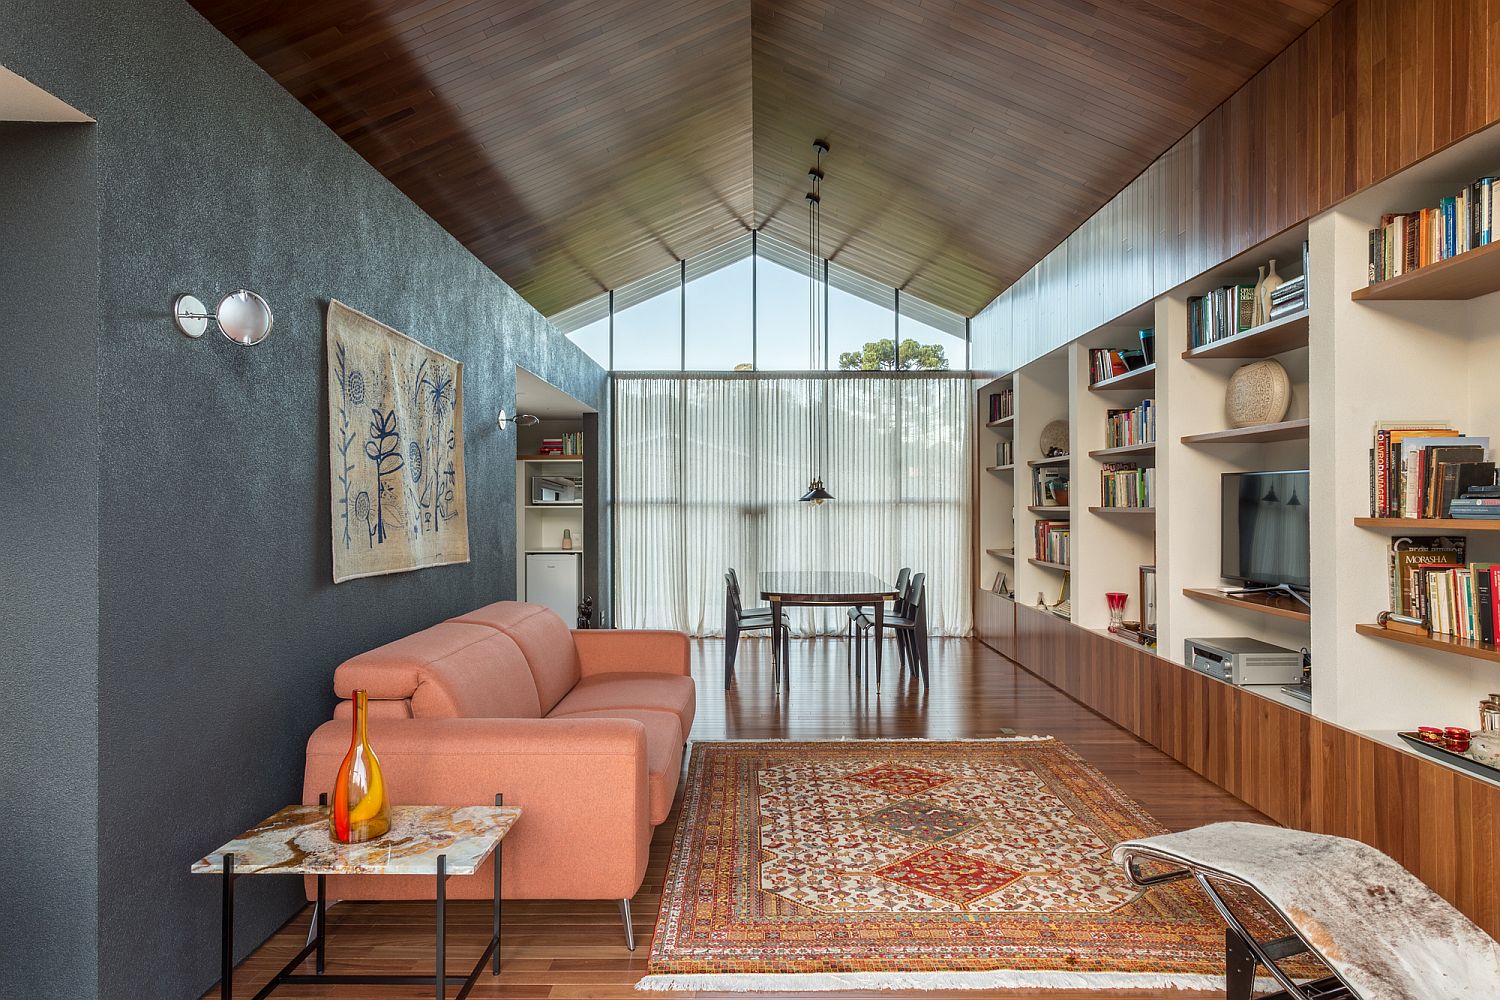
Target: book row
[1110, 362]
[1052, 542]
[1423, 469]
[1002, 404]
[1126, 485]
[1005, 453]
[1135, 426]
[1407, 241]
[570, 443]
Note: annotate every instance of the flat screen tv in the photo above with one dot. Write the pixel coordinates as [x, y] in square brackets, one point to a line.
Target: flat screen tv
[1264, 540]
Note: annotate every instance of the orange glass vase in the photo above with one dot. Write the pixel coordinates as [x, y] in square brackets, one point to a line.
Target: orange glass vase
[361, 808]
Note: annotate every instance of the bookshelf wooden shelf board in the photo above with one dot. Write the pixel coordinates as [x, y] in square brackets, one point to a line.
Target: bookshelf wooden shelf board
[1278, 607]
[1000, 468]
[1002, 553]
[1284, 430]
[1123, 451]
[549, 458]
[1276, 337]
[1124, 510]
[1064, 567]
[1051, 511]
[1002, 422]
[1037, 463]
[1425, 525]
[1140, 378]
[1467, 276]
[1445, 643]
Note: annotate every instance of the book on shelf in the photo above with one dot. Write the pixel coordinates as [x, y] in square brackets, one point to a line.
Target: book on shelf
[1147, 337]
[1005, 453]
[1408, 241]
[1002, 404]
[1110, 362]
[1408, 554]
[1052, 542]
[1289, 297]
[1125, 484]
[1042, 477]
[570, 443]
[1420, 468]
[1125, 428]
[1458, 599]
[1223, 312]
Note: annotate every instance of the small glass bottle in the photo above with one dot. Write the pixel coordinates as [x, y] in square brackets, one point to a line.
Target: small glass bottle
[361, 808]
[567, 541]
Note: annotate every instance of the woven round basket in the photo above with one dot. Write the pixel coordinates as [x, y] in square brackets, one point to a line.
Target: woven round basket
[1259, 393]
[1055, 435]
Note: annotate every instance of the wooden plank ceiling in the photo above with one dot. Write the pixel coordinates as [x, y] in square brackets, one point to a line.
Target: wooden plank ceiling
[577, 145]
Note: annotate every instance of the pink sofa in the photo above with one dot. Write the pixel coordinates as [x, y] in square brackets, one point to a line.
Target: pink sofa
[584, 730]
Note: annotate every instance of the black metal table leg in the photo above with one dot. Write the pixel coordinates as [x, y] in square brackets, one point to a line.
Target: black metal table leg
[776, 658]
[442, 929]
[320, 914]
[879, 634]
[226, 970]
[499, 859]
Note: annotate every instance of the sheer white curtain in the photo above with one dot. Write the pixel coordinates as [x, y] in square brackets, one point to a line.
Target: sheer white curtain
[709, 469]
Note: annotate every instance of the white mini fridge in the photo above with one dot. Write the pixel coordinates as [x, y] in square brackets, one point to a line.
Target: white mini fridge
[555, 579]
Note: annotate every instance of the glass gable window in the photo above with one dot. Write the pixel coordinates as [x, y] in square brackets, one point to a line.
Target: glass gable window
[861, 322]
[648, 323]
[744, 307]
[719, 308]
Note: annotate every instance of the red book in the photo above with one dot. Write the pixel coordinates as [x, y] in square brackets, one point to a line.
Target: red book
[1495, 599]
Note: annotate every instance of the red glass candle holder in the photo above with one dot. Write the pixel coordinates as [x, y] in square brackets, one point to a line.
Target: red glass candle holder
[1116, 608]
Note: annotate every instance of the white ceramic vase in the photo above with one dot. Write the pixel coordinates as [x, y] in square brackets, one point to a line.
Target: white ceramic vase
[1269, 284]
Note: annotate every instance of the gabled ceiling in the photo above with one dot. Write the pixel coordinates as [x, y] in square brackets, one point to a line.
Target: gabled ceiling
[578, 145]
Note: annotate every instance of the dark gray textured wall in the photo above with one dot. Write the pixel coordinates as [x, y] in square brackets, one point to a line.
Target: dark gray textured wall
[218, 627]
[49, 330]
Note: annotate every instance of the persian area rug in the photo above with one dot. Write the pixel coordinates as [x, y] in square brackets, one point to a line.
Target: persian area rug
[916, 865]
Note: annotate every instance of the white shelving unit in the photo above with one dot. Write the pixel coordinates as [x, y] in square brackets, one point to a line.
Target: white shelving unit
[1352, 362]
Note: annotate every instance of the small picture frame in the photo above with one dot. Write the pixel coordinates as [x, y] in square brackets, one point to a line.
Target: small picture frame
[1148, 598]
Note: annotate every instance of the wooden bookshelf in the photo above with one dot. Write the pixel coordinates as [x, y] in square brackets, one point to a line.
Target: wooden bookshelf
[1140, 378]
[549, 458]
[1283, 430]
[1425, 525]
[1037, 463]
[1002, 422]
[1444, 643]
[1051, 512]
[1467, 276]
[1124, 510]
[1000, 468]
[1278, 607]
[1001, 553]
[1124, 451]
[1050, 565]
[1277, 337]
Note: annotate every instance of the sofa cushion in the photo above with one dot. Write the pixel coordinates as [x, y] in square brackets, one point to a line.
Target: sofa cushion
[543, 637]
[663, 754]
[604, 692]
[450, 670]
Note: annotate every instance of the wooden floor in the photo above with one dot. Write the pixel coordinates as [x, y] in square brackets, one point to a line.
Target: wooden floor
[576, 949]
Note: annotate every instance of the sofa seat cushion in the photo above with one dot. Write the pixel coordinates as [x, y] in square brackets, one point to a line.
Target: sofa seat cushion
[603, 692]
[663, 754]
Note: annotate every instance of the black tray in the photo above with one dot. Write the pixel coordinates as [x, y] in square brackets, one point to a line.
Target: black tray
[1462, 760]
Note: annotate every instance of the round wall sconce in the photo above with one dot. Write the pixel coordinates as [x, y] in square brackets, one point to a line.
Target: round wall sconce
[243, 317]
[504, 421]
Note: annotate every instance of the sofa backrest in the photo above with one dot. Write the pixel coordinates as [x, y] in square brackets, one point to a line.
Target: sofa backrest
[543, 637]
[451, 670]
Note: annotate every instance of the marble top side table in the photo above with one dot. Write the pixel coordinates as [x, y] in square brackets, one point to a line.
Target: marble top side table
[440, 841]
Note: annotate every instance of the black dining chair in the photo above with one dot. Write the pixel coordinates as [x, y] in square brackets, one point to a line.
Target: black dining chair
[737, 619]
[852, 631]
[909, 621]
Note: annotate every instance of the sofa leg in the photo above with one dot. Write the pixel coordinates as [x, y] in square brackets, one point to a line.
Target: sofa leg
[629, 928]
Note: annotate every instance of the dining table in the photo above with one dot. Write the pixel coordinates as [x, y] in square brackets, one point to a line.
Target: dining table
[822, 588]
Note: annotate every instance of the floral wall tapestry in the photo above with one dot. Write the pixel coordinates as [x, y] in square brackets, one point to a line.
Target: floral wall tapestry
[396, 444]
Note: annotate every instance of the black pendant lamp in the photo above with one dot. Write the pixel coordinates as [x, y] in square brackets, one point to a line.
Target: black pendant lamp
[816, 492]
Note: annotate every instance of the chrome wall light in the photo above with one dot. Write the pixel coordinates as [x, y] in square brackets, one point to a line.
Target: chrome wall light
[243, 317]
[504, 420]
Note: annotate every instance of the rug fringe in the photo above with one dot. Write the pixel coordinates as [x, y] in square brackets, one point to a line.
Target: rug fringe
[770, 982]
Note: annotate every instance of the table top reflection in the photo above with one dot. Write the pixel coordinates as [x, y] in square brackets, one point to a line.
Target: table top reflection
[824, 586]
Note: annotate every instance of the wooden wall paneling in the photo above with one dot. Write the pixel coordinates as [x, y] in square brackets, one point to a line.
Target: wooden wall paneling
[1369, 89]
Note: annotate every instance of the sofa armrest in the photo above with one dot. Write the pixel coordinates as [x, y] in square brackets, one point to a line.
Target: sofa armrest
[581, 785]
[636, 651]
